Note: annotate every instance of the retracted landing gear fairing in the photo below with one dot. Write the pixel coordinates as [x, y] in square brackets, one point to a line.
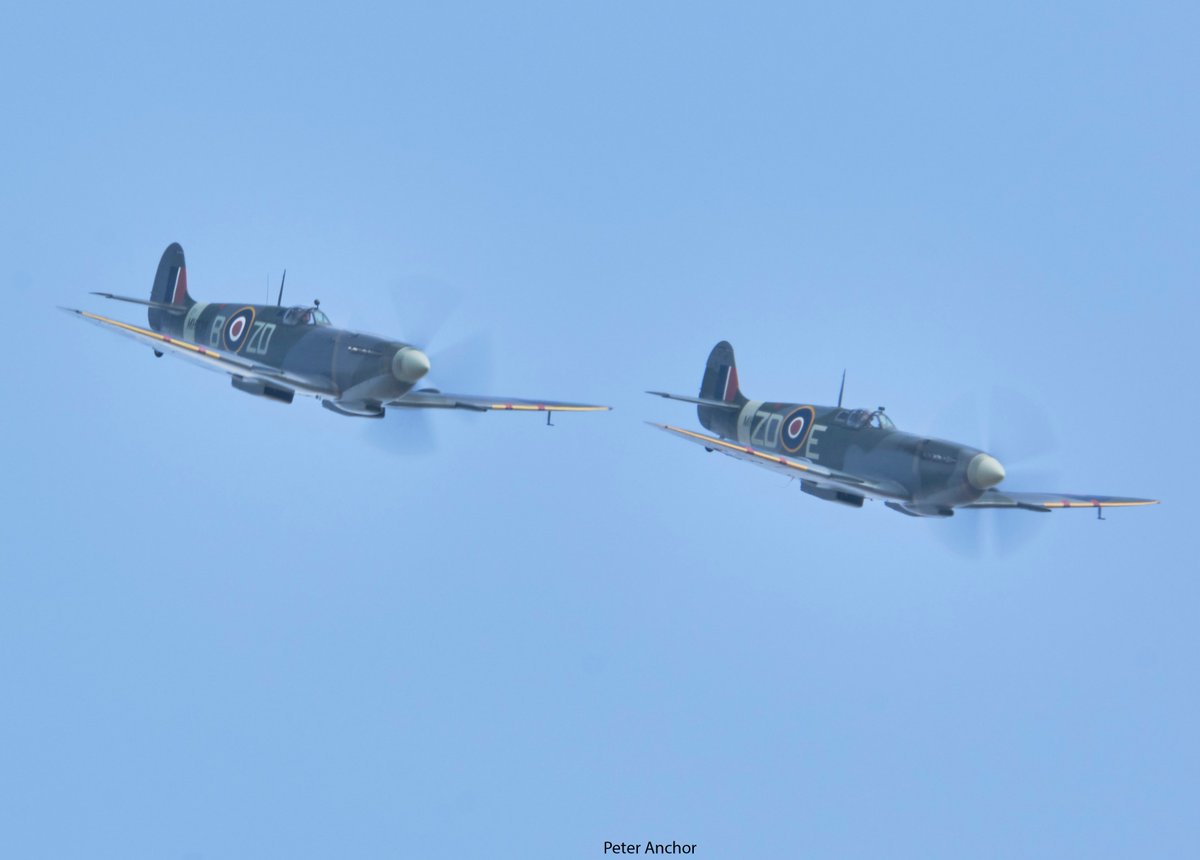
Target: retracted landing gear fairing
[849, 455]
[277, 352]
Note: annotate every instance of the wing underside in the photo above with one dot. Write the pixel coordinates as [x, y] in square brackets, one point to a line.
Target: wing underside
[1053, 501]
[794, 467]
[487, 403]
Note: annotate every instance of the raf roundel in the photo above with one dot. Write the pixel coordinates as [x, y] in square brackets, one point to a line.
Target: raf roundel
[796, 427]
[237, 327]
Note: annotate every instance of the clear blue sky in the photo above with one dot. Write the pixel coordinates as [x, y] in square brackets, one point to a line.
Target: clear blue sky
[234, 629]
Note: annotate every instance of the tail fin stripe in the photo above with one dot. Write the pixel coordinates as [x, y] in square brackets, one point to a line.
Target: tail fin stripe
[730, 388]
[179, 290]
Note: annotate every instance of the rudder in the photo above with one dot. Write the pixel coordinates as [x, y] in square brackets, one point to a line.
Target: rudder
[170, 284]
[720, 382]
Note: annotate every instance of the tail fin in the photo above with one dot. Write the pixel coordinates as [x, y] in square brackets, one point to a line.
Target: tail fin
[720, 376]
[720, 382]
[170, 285]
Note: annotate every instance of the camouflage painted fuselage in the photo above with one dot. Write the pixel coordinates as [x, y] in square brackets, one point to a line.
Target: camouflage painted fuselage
[349, 367]
[862, 442]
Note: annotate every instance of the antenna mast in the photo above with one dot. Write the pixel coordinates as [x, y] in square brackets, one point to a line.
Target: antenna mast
[842, 390]
[281, 280]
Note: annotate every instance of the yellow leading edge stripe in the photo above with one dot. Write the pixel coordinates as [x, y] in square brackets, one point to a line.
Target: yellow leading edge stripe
[521, 407]
[153, 334]
[783, 461]
[1097, 504]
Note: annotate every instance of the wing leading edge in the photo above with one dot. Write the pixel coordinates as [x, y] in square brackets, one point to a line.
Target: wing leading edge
[1046, 502]
[213, 359]
[488, 403]
[794, 467]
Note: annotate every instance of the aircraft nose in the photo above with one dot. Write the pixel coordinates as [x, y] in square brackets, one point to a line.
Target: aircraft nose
[984, 471]
[410, 364]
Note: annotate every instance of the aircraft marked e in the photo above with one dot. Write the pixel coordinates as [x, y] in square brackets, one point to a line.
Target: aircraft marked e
[812, 441]
[862, 455]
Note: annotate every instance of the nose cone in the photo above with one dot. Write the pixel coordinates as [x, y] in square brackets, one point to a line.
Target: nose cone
[410, 364]
[984, 471]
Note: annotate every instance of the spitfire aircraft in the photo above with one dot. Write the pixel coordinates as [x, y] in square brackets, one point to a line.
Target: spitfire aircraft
[850, 455]
[276, 352]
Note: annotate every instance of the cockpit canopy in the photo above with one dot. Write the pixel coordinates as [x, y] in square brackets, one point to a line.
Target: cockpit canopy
[856, 419]
[305, 316]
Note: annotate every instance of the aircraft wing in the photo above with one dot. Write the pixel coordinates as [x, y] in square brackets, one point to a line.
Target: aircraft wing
[1046, 502]
[430, 399]
[214, 359]
[794, 467]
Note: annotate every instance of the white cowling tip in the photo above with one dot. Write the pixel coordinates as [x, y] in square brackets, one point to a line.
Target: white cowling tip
[984, 471]
[410, 364]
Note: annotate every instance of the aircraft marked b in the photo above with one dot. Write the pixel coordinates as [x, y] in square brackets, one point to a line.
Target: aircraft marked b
[214, 334]
[240, 340]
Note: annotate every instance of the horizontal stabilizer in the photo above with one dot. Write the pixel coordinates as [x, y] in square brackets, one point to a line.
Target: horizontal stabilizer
[701, 401]
[162, 306]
